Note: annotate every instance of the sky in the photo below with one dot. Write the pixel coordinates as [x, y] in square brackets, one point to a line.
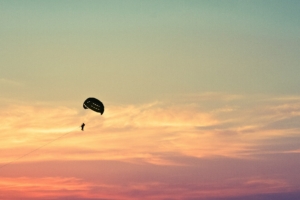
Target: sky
[202, 100]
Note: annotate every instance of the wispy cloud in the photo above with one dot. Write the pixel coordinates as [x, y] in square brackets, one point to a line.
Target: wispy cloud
[218, 134]
[60, 188]
[156, 128]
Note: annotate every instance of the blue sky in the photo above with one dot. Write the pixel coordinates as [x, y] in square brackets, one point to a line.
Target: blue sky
[139, 50]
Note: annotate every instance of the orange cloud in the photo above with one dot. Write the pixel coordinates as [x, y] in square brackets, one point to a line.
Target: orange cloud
[232, 127]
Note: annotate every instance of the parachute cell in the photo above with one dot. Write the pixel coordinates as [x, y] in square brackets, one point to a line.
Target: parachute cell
[94, 104]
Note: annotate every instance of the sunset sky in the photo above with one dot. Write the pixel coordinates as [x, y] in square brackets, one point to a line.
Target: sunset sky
[202, 99]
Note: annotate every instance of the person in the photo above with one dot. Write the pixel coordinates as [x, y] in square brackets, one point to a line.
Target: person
[82, 126]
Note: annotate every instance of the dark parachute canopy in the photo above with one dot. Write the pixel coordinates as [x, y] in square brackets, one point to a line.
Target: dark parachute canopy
[94, 104]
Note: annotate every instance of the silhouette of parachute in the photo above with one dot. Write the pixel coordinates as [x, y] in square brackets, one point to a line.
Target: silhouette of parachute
[94, 104]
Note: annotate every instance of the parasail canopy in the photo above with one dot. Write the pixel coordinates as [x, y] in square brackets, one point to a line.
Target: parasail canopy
[94, 104]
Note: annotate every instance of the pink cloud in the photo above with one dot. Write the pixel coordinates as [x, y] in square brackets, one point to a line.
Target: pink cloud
[60, 187]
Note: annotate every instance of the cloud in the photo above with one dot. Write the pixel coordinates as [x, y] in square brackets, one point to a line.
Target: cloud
[235, 127]
[37, 188]
[70, 187]
[212, 146]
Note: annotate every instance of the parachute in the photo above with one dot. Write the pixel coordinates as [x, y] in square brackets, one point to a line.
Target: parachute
[91, 103]
[94, 104]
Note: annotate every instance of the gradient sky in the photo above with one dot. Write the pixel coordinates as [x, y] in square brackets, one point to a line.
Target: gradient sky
[202, 100]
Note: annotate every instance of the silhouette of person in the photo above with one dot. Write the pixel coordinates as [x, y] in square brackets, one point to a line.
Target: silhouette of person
[82, 126]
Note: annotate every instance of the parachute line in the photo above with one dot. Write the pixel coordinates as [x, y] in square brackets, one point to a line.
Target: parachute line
[18, 158]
